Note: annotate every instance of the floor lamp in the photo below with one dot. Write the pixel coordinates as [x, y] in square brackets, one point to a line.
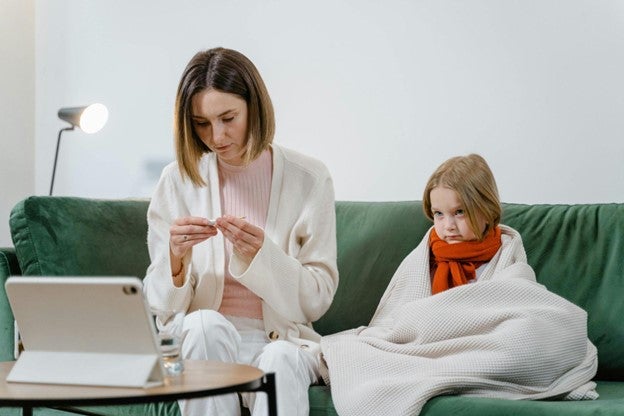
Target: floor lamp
[89, 119]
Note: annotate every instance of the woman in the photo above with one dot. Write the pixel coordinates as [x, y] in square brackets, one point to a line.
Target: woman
[242, 235]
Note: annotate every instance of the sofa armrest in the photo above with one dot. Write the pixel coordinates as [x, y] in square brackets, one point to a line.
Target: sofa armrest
[8, 267]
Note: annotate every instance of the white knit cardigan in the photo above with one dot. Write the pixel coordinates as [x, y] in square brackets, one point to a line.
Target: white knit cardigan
[295, 271]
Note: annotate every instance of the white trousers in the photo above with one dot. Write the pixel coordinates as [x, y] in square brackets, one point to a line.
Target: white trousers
[212, 336]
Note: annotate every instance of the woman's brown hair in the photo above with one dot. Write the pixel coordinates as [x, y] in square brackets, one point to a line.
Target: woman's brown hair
[473, 180]
[228, 71]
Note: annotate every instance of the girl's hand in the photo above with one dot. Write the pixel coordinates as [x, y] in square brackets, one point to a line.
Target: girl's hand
[246, 238]
[186, 232]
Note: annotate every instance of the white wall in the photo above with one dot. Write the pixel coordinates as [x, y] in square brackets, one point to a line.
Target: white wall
[17, 107]
[382, 91]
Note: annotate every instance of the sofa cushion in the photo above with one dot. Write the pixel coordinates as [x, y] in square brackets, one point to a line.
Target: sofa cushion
[373, 238]
[170, 408]
[577, 252]
[610, 403]
[59, 236]
[149, 409]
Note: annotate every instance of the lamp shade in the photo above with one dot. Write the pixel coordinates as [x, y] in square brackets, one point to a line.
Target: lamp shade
[89, 119]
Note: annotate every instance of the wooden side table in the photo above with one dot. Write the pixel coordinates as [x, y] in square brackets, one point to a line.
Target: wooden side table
[200, 379]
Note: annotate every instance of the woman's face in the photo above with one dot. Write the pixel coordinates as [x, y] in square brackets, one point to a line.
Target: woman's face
[220, 121]
[450, 221]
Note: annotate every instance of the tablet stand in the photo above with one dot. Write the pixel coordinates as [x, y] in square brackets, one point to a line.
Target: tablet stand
[82, 368]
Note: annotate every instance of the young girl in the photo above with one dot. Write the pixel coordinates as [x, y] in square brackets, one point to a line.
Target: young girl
[462, 200]
[462, 314]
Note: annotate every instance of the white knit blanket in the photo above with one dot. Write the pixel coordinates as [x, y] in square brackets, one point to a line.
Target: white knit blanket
[505, 336]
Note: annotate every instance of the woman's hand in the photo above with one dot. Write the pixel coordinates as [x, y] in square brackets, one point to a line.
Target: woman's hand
[184, 233]
[246, 238]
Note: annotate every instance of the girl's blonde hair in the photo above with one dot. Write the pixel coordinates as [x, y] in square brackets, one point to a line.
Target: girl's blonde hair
[228, 71]
[471, 177]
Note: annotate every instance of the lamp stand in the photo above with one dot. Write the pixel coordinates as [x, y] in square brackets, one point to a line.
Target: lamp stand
[58, 143]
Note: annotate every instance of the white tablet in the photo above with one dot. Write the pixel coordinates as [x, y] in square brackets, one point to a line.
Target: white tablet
[84, 330]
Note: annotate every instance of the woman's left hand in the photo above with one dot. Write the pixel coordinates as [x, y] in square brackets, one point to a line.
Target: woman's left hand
[246, 238]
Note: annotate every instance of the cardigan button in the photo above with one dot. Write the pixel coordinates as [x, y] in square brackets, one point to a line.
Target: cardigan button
[273, 335]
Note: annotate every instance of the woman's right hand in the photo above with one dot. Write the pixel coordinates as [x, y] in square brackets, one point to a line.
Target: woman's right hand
[184, 233]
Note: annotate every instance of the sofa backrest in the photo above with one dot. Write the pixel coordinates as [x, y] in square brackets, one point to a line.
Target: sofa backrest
[373, 239]
[56, 236]
[577, 251]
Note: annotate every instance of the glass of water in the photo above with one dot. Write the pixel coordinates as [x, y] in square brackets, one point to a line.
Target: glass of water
[170, 336]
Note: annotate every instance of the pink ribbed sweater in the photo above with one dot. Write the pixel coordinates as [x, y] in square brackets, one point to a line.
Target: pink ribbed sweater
[244, 192]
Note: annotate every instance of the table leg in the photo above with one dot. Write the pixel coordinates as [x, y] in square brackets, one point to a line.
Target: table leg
[27, 411]
[269, 384]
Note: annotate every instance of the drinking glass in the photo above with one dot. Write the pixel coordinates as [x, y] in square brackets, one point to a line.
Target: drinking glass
[170, 337]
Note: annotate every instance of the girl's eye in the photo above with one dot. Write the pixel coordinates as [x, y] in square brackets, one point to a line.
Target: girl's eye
[437, 214]
[200, 123]
[228, 119]
[459, 212]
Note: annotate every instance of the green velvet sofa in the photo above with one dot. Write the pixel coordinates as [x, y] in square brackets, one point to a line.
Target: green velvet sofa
[577, 251]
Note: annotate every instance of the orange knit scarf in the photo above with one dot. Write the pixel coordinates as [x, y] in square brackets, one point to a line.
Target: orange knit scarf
[456, 264]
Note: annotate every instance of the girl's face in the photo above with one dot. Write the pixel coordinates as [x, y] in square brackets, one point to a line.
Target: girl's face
[220, 121]
[449, 218]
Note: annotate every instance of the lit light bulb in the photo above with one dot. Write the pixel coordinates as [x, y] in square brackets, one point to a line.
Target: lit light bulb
[93, 118]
